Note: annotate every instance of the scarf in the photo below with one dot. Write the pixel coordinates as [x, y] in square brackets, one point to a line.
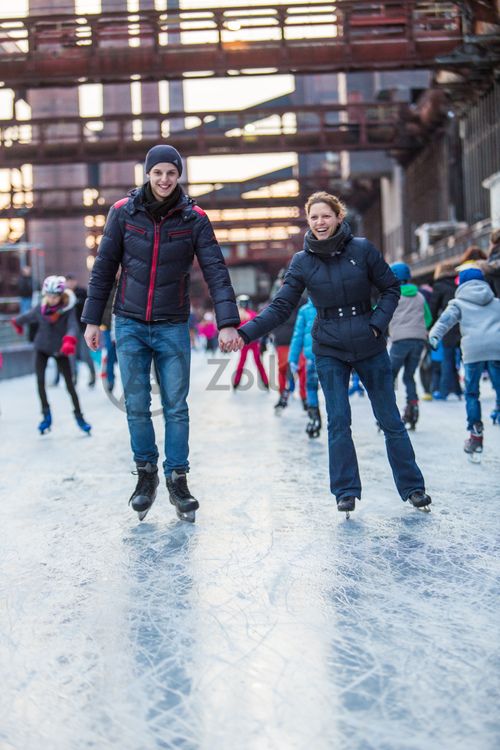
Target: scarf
[332, 245]
[51, 313]
[159, 209]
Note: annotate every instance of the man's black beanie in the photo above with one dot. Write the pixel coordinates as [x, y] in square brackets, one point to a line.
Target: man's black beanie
[162, 153]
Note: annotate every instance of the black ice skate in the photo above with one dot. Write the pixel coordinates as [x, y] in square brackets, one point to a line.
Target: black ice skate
[144, 494]
[46, 422]
[314, 425]
[420, 500]
[282, 403]
[474, 444]
[410, 415]
[180, 496]
[346, 505]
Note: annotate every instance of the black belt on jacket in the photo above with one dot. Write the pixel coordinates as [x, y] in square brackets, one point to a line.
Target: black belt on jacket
[344, 311]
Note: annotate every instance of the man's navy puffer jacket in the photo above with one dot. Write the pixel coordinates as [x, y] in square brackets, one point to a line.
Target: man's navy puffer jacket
[343, 279]
[156, 259]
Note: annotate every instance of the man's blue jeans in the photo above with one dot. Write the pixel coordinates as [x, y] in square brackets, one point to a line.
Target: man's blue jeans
[376, 375]
[406, 353]
[167, 345]
[473, 374]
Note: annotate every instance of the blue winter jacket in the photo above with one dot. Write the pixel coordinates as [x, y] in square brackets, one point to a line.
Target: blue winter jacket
[302, 339]
[156, 259]
[342, 279]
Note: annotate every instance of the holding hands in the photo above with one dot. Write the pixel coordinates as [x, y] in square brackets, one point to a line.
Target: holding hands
[230, 340]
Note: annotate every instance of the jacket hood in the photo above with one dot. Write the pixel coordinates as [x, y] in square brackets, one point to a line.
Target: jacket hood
[409, 290]
[475, 291]
[331, 246]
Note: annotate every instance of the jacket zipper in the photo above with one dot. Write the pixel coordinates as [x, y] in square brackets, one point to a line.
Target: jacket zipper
[152, 275]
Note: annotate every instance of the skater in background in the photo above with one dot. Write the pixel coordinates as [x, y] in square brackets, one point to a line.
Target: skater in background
[82, 350]
[282, 335]
[56, 336]
[154, 235]
[408, 334]
[355, 386]
[208, 328]
[108, 344]
[339, 271]
[470, 258]
[246, 313]
[445, 283]
[302, 343]
[25, 289]
[477, 311]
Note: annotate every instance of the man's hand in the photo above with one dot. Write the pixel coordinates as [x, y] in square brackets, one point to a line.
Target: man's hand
[230, 340]
[433, 342]
[92, 337]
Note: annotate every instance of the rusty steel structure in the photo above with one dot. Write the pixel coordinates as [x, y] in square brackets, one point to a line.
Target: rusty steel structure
[71, 201]
[349, 127]
[112, 47]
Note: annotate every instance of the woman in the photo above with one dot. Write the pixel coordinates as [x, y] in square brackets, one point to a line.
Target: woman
[338, 271]
[56, 336]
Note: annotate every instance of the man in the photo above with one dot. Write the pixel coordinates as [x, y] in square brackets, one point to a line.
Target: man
[154, 235]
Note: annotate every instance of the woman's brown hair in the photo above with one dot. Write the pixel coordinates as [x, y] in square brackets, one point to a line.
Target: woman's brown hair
[335, 203]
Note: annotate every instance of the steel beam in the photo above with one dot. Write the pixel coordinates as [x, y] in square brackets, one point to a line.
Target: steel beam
[66, 49]
[303, 129]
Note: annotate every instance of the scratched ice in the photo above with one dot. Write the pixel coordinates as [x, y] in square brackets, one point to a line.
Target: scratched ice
[272, 623]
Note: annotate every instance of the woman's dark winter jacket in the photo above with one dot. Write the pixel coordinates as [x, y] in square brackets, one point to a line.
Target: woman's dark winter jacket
[156, 258]
[443, 291]
[51, 330]
[337, 283]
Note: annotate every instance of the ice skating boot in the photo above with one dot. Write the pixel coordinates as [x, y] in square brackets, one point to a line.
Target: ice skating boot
[46, 422]
[282, 402]
[144, 494]
[495, 415]
[420, 500]
[314, 425]
[180, 496]
[474, 444]
[82, 424]
[346, 505]
[410, 415]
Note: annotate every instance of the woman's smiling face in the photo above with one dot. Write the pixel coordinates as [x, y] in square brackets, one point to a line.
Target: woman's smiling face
[322, 220]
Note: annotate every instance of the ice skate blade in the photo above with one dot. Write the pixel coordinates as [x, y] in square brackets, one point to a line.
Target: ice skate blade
[347, 515]
[141, 515]
[423, 508]
[189, 517]
[474, 458]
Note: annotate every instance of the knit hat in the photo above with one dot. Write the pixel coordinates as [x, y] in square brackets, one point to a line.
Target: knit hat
[401, 271]
[163, 153]
[468, 274]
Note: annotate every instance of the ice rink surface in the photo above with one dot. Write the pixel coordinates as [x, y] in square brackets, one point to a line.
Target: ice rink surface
[272, 623]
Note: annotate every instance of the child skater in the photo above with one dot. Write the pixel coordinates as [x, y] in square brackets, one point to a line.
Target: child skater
[56, 337]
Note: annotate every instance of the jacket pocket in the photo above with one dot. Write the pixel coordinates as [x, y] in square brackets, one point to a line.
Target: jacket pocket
[133, 228]
[176, 234]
